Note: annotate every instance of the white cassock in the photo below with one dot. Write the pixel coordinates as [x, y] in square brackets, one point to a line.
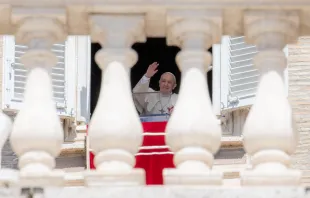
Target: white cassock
[152, 103]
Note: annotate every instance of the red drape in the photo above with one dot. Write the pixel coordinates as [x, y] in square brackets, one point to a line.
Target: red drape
[154, 155]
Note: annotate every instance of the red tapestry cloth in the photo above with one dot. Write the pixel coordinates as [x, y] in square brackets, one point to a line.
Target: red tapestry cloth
[154, 155]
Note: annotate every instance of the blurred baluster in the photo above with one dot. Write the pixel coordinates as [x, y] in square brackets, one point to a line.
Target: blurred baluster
[115, 130]
[193, 131]
[37, 134]
[270, 135]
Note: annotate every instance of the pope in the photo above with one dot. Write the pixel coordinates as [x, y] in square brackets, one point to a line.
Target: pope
[148, 101]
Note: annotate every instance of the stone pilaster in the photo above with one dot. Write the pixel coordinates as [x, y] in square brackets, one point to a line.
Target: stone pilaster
[299, 97]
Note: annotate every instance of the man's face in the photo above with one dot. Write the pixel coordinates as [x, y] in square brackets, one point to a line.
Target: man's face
[166, 83]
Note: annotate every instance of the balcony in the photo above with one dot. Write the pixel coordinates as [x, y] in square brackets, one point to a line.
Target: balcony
[193, 133]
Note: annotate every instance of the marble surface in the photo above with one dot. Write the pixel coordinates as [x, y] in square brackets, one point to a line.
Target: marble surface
[166, 192]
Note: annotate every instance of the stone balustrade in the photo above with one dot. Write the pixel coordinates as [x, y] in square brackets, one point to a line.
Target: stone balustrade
[115, 132]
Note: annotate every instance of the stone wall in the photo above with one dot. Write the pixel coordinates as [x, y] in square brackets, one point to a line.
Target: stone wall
[299, 97]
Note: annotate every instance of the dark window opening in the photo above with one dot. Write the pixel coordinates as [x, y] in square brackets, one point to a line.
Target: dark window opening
[154, 50]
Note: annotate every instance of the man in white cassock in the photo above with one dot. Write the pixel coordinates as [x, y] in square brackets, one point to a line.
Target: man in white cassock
[162, 102]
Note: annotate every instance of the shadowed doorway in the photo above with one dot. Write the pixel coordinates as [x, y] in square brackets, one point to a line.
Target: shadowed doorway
[153, 50]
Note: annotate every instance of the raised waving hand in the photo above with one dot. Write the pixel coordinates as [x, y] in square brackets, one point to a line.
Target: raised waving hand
[151, 70]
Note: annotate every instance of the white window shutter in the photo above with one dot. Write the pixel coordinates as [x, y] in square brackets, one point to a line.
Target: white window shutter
[70, 77]
[234, 70]
[58, 75]
[216, 79]
[239, 77]
[84, 72]
[15, 76]
[7, 76]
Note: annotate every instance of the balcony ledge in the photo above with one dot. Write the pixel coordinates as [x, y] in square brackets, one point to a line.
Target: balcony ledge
[231, 141]
[73, 148]
[78, 147]
[167, 192]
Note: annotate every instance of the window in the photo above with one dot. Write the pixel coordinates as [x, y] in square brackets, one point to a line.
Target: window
[235, 77]
[70, 77]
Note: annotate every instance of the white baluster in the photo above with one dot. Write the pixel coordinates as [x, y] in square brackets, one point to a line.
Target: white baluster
[269, 133]
[193, 132]
[115, 130]
[37, 135]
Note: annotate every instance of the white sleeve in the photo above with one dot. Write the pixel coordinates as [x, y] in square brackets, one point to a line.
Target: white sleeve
[144, 79]
[142, 86]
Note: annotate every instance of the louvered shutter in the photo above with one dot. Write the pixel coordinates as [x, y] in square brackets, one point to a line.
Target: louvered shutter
[16, 75]
[57, 74]
[234, 70]
[239, 77]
